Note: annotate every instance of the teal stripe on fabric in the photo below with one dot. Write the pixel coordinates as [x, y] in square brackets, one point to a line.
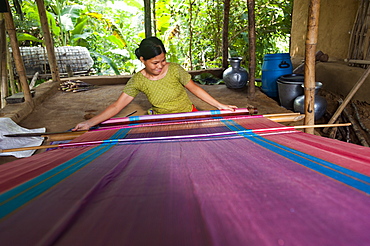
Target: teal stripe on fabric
[339, 173]
[20, 195]
[120, 133]
[215, 111]
[133, 118]
[110, 141]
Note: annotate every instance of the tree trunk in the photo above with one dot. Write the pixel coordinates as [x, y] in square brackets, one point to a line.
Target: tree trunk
[191, 3]
[3, 72]
[147, 19]
[3, 6]
[252, 48]
[154, 22]
[48, 41]
[14, 85]
[9, 24]
[310, 61]
[225, 35]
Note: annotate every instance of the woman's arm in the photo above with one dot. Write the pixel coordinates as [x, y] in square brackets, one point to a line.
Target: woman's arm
[108, 113]
[202, 94]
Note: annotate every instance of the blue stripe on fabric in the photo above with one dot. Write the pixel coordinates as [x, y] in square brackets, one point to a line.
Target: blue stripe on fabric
[134, 118]
[20, 195]
[215, 111]
[339, 173]
[120, 133]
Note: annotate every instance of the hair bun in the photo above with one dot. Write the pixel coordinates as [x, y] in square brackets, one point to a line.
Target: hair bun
[137, 53]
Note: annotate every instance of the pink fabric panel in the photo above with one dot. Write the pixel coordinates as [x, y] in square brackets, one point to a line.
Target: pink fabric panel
[17, 172]
[228, 192]
[352, 156]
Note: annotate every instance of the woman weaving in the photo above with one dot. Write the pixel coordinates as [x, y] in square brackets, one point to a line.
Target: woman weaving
[162, 82]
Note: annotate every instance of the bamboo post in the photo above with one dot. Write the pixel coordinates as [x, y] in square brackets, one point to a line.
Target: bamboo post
[225, 35]
[9, 24]
[14, 87]
[3, 72]
[252, 48]
[48, 41]
[310, 57]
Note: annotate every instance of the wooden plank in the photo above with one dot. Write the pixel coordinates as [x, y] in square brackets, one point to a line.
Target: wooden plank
[48, 41]
[10, 27]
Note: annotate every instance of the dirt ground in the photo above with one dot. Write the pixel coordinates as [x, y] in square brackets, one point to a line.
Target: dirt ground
[356, 112]
[63, 110]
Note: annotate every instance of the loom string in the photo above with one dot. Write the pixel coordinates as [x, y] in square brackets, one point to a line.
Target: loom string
[178, 137]
[195, 120]
[214, 119]
[341, 174]
[175, 115]
[247, 131]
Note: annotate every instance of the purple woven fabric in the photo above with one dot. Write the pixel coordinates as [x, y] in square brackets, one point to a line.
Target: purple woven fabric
[211, 192]
[170, 194]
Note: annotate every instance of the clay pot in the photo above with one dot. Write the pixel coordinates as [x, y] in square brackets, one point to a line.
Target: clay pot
[235, 76]
[320, 103]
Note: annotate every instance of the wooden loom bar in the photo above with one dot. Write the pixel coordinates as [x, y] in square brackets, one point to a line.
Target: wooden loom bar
[286, 117]
[68, 135]
[179, 137]
[197, 114]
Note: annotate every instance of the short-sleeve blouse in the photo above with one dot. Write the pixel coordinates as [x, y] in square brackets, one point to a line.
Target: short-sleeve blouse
[167, 95]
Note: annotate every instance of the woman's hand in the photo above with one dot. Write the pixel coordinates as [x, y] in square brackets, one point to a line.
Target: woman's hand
[109, 112]
[228, 107]
[202, 94]
[82, 126]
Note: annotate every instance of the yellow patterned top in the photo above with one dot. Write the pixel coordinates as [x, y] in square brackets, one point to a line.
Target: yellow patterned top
[167, 95]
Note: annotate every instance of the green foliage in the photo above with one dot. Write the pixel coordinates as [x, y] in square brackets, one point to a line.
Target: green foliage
[207, 79]
[190, 29]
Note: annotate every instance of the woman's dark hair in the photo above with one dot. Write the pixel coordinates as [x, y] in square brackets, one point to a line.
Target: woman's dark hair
[149, 48]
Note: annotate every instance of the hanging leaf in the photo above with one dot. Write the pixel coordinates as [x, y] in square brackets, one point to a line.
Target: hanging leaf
[116, 39]
[108, 61]
[27, 37]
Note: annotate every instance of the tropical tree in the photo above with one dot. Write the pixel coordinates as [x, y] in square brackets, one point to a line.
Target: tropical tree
[190, 29]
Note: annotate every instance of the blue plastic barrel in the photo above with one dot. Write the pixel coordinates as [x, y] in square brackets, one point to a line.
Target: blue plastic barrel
[274, 66]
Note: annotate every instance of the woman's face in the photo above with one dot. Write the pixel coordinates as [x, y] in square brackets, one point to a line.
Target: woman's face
[155, 65]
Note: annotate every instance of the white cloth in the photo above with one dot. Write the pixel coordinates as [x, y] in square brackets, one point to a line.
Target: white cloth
[8, 126]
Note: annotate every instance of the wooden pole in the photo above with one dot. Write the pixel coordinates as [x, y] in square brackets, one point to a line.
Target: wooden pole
[48, 41]
[14, 87]
[309, 73]
[225, 35]
[252, 48]
[3, 71]
[154, 19]
[9, 24]
[147, 19]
